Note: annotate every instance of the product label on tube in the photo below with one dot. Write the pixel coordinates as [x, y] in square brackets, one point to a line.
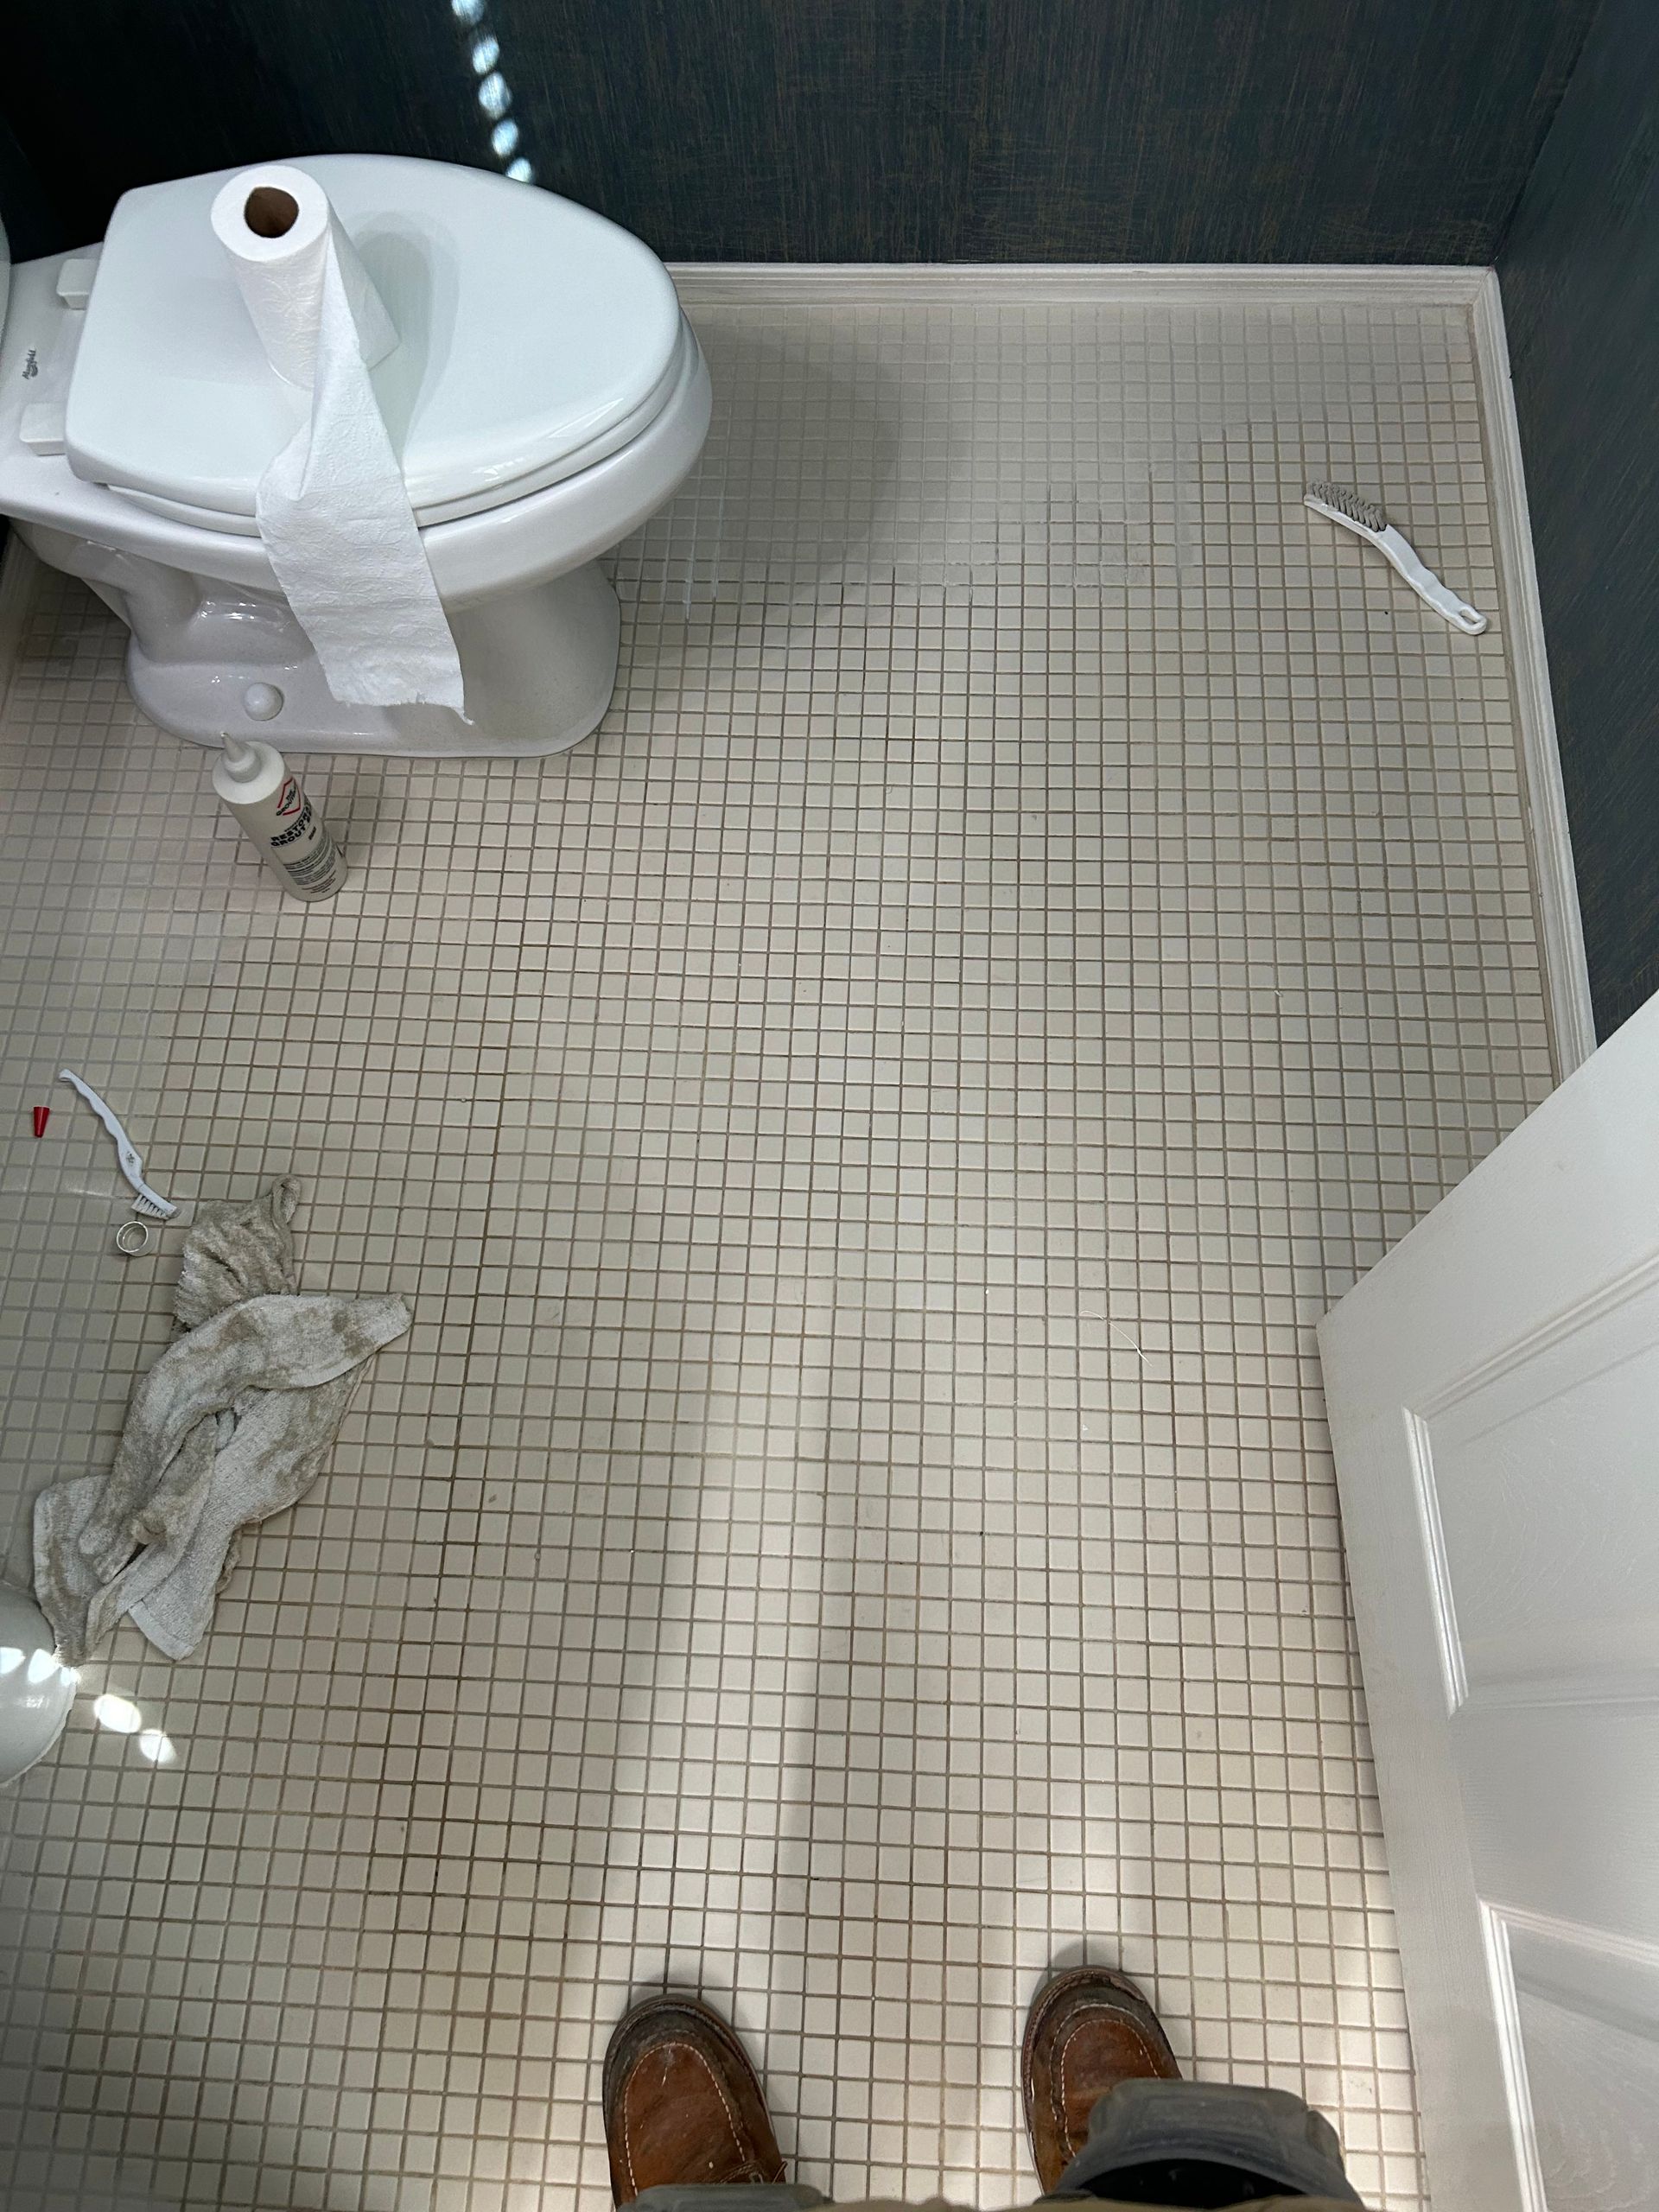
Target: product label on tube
[304, 851]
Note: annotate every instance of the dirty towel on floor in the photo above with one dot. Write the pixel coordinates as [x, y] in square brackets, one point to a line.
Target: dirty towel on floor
[231, 1425]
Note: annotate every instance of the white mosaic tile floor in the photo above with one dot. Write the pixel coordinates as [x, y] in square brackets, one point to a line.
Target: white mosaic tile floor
[866, 1141]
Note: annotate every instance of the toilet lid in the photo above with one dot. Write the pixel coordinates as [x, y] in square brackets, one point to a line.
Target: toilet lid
[536, 338]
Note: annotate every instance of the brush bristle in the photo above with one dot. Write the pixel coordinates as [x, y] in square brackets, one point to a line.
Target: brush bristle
[1365, 512]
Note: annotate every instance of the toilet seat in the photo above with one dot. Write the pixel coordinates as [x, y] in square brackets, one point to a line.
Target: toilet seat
[539, 339]
[486, 501]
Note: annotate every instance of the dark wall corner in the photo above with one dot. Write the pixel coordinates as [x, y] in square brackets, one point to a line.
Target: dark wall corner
[33, 223]
[1505, 229]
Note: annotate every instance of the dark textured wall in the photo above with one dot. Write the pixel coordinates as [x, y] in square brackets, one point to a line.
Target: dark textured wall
[852, 129]
[32, 220]
[1580, 278]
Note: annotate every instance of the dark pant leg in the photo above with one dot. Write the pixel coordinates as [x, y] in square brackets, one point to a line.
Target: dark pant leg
[1197, 2143]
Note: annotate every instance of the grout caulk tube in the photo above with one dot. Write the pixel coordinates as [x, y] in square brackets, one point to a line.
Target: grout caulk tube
[278, 818]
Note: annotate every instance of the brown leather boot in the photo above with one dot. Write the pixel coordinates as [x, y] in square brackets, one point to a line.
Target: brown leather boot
[1089, 2030]
[683, 2102]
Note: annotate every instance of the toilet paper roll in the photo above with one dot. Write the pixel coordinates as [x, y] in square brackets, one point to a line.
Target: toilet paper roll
[277, 224]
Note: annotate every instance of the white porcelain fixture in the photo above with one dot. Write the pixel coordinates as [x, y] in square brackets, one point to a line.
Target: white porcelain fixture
[36, 1689]
[547, 395]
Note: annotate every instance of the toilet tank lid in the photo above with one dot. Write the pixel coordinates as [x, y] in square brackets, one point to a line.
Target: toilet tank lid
[536, 336]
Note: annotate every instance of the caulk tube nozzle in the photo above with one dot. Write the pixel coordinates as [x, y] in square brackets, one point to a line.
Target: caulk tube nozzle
[241, 759]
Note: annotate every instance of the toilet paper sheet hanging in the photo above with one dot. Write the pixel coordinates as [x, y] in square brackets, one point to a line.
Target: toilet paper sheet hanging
[331, 507]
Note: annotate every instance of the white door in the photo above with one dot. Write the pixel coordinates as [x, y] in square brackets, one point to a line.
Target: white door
[1493, 1388]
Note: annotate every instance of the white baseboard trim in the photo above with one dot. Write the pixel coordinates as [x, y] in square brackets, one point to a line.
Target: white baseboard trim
[17, 567]
[1566, 976]
[1198, 283]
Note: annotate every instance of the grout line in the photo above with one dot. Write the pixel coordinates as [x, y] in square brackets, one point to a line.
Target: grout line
[1561, 924]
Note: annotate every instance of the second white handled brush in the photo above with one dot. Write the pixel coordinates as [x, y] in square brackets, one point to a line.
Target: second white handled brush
[1367, 520]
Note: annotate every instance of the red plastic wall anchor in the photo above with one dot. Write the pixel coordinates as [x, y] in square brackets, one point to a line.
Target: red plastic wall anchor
[42, 1116]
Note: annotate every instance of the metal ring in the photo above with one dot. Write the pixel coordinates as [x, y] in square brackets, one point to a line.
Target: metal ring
[132, 1238]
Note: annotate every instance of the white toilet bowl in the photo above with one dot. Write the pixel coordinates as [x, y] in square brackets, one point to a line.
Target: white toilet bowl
[548, 396]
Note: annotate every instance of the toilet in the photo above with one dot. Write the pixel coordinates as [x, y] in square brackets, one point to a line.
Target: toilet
[547, 396]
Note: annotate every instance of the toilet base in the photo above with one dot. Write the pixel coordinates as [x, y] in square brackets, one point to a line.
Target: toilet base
[539, 667]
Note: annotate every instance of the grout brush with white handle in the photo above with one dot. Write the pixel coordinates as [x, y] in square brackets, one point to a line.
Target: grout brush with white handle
[1367, 520]
[147, 1202]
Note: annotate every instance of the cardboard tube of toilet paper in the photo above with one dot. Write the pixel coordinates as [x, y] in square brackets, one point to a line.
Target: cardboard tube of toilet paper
[276, 224]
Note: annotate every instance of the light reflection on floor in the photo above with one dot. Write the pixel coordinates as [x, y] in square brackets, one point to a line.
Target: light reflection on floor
[123, 1718]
